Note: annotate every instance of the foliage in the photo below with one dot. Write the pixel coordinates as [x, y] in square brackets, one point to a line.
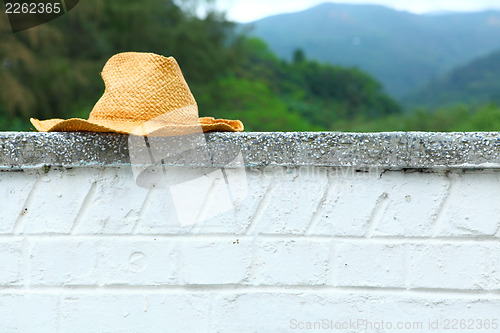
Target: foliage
[318, 93]
[473, 83]
[257, 106]
[461, 118]
[52, 71]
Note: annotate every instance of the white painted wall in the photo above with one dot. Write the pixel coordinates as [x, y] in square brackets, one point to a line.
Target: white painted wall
[87, 250]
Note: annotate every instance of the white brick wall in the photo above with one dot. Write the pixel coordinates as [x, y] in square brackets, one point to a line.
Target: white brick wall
[86, 250]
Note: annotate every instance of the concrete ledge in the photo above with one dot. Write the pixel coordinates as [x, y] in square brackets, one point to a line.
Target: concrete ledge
[395, 150]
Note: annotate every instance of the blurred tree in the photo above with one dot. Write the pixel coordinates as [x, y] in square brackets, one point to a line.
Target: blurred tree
[257, 106]
[52, 70]
[19, 65]
[298, 56]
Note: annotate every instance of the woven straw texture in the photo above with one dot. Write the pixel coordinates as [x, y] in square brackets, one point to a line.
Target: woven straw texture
[145, 94]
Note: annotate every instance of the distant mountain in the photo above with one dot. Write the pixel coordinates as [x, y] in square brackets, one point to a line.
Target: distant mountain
[403, 50]
[477, 82]
[440, 12]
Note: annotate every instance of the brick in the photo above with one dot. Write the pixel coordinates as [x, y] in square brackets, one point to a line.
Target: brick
[350, 203]
[472, 266]
[291, 204]
[64, 262]
[160, 215]
[246, 188]
[56, 201]
[291, 262]
[198, 194]
[416, 311]
[205, 261]
[275, 312]
[28, 313]
[353, 311]
[104, 262]
[492, 272]
[199, 201]
[472, 207]
[289, 312]
[413, 201]
[148, 262]
[369, 265]
[14, 190]
[147, 312]
[11, 263]
[115, 206]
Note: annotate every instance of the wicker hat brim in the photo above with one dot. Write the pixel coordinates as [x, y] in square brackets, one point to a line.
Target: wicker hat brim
[206, 124]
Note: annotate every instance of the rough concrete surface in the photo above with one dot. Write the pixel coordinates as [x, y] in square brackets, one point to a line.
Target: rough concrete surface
[395, 150]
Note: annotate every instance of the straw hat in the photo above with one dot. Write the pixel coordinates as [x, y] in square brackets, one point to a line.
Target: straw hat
[144, 94]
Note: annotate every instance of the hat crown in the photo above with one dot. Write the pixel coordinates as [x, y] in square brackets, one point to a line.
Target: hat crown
[144, 94]
[143, 87]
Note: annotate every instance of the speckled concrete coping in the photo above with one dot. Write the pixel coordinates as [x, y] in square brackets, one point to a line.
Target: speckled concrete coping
[395, 150]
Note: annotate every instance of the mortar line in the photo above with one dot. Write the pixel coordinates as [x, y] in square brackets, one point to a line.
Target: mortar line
[261, 207]
[332, 263]
[229, 236]
[232, 288]
[142, 210]
[443, 208]
[319, 208]
[228, 187]
[59, 312]
[406, 265]
[25, 209]
[25, 253]
[84, 208]
[205, 205]
[376, 216]
[497, 232]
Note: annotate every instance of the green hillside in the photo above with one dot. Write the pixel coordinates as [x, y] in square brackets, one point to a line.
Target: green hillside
[477, 82]
[402, 50]
[53, 70]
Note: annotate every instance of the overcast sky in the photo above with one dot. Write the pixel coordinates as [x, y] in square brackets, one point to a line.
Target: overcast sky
[250, 10]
